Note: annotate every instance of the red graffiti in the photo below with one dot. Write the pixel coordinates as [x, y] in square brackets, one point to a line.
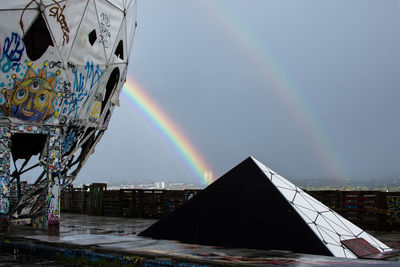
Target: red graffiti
[57, 12]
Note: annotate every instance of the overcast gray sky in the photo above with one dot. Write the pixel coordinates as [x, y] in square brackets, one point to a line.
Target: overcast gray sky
[310, 88]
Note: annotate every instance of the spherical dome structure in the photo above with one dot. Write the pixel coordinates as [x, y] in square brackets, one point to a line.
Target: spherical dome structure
[63, 64]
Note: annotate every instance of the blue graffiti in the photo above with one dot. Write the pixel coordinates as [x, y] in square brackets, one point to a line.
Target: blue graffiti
[84, 82]
[69, 252]
[93, 74]
[167, 263]
[12, 53]
[151, 263]
[68, 142]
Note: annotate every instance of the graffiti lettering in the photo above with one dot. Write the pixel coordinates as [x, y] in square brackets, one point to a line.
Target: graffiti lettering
[55, 64]
[71, 66]
[98, 97]
[66, 89]
[96, 110]
[84, 82]
[57, 12]
[13, 49]
[133, 259]
[93, 74]
[68, 142]
[76, 123]
[104, 29]
[59, 64]
[26, 221]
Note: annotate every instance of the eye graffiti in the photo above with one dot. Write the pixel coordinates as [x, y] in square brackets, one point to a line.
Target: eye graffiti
[31, 98]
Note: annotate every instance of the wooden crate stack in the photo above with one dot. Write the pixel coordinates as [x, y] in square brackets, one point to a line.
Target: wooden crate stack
[111, 203]
[65, 199]
[96, 198]
[173, 199]
[358, 207]
[73, 200]
[153, 203]
[131, 203]
[127, 197]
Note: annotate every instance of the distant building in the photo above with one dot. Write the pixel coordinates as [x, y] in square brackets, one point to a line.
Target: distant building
[159, 185]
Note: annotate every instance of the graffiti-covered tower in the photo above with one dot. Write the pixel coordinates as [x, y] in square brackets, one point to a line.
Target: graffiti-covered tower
[63, 64]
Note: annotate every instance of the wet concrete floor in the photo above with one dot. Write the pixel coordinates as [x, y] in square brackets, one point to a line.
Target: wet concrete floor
[114, 238]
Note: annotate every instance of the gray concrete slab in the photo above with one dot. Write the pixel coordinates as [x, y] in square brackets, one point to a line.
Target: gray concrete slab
[110, 237]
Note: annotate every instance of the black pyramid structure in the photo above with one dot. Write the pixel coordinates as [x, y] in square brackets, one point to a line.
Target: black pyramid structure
[253, 207]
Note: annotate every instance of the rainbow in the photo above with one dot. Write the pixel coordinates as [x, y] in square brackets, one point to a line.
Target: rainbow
[140, 101]
[278, 80]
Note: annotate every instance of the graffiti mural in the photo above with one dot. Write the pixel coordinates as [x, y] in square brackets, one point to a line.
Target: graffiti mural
[31, 98]
[55, 62]
[393, 203]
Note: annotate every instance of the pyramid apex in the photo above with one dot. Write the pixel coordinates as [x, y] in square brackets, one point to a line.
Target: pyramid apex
[260, 164]
[253, 159]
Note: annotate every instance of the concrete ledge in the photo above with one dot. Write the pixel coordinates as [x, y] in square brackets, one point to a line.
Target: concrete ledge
[99, 241]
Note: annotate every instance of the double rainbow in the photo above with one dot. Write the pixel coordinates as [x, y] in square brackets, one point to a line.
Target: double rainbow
[273, 74]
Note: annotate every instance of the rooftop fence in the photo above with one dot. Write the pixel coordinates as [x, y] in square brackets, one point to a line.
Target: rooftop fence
[371, 210]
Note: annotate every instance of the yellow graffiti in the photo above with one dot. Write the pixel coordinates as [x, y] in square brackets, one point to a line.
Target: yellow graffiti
[96, 110]
[134, 259]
